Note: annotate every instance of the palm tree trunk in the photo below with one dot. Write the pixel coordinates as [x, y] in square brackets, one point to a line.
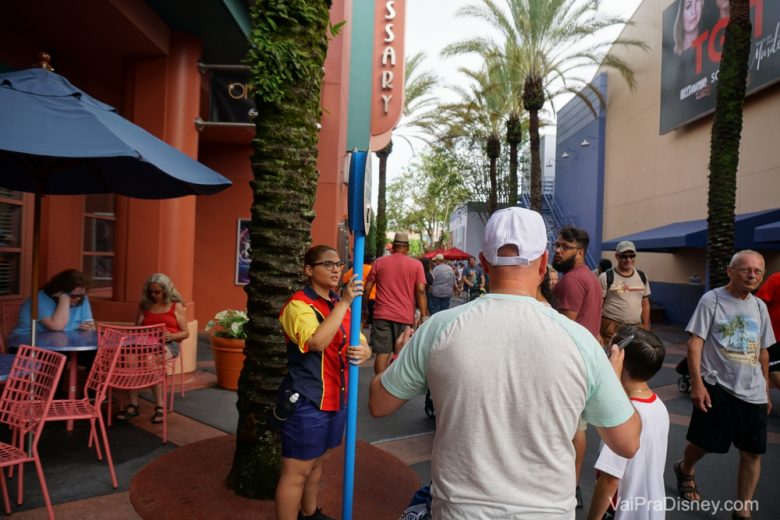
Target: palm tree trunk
[513, 138]
[493, 151]
[724, 144]
[381, 204]
[285, 183]
[533, 102]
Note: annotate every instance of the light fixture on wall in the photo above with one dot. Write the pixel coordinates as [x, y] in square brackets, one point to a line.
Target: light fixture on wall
[585, 142]
[565, 155]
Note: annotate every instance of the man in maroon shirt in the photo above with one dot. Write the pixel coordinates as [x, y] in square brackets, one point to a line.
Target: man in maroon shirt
[578, 291]
[400, 283]
[578, 294]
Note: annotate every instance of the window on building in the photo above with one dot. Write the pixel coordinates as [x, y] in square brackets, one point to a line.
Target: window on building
[11, 208]
[99, 220]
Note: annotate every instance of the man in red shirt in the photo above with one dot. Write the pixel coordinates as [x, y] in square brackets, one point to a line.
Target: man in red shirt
[578, 294]
[770, 293]
[400, 282]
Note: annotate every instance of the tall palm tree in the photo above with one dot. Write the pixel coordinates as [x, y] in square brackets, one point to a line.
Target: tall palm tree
[417, 124]
[506, 84]
[289, 41]
[724, 142]
[480, 112]
[544, 40]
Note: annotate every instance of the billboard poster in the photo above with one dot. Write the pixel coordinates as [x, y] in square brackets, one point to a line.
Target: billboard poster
[243, 254]
[692, 43]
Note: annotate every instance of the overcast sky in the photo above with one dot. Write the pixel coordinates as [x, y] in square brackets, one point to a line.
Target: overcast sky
[430, 26]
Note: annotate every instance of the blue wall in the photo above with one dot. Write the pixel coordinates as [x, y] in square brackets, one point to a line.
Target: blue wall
[579, 178]
[678, 299]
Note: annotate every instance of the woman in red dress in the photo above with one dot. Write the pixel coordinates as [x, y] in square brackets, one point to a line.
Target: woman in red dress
[160, 303]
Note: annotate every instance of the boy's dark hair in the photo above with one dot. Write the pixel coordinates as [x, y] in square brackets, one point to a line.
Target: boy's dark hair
[604, 264]
[644, 355]
[576, 235]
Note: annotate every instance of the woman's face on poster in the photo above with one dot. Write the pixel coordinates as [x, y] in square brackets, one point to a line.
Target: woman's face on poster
[692, 15]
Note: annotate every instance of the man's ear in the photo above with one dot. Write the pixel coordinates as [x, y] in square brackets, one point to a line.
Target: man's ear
[484, 263]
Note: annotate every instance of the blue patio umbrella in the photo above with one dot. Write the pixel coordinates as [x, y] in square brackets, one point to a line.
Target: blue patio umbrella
[57, 140]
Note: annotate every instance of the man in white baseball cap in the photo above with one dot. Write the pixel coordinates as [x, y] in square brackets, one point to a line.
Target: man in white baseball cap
[510, 378]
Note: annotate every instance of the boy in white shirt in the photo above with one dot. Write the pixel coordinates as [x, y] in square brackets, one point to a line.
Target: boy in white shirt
[634, 488]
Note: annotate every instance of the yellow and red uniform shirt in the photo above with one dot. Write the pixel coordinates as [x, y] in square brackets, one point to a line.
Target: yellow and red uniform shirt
[321, 377]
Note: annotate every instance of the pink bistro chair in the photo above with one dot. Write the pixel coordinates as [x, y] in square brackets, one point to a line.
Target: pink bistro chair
[171, 362]
[24, 407]
[109, 349]
[142, 363]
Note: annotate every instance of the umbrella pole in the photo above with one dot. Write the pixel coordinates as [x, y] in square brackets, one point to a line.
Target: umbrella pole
[36, 253]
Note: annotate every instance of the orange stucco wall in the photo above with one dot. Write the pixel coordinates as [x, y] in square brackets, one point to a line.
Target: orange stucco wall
[215, 232]
[149, 72]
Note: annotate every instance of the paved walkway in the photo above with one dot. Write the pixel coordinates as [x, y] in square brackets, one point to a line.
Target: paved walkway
[81, 489]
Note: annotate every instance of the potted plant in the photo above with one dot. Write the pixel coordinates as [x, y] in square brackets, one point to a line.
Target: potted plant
[227, 337]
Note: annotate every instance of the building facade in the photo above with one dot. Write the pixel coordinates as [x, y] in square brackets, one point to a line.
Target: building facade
[653, 178]
[147, 59]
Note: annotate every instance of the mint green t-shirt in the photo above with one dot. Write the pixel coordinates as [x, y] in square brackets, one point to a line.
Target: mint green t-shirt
[510, 378]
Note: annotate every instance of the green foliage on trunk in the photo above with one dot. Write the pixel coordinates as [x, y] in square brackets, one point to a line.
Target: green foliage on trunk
[289, 41]
[724, 143]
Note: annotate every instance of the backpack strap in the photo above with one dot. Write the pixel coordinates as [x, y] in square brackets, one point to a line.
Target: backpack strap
[611, 277]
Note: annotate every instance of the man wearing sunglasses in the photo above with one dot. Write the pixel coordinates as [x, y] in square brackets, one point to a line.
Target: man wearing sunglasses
[626, 293]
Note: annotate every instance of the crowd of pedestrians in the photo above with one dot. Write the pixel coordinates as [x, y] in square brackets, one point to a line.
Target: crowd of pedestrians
[519, 370]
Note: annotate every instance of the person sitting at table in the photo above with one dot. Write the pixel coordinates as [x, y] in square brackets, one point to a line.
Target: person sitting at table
[160, 303]
[63, 305]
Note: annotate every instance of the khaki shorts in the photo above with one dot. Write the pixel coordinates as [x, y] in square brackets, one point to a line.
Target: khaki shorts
[609, 328]
[383, 335]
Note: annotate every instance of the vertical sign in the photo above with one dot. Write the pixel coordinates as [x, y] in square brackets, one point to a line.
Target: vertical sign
[387, 100]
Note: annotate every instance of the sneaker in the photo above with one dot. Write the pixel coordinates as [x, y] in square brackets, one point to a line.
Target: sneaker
[578, 496]
[316, 515]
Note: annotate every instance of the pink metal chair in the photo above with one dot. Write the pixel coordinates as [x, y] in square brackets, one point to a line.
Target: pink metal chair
[109, 349]
[171, 363]
[142, 363]
[24, 407]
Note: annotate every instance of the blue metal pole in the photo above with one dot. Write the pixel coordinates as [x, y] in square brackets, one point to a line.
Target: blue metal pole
[352, 394]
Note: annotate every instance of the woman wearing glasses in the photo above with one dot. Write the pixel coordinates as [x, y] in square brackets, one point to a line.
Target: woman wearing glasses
[160, 303]
[62, 305]
[316, 323]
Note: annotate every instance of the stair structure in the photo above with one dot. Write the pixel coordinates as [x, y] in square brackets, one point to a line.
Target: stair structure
[553, 219]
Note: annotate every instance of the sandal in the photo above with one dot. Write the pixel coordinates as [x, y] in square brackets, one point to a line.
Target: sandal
[128, 413]
[685, 491]
[159, 415]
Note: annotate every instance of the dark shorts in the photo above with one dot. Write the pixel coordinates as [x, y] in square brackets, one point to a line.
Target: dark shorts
[774, 357]
[730, 420]
[384, 334]
[310, 432]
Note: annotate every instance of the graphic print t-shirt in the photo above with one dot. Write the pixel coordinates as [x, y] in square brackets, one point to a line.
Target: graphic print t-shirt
[734, 331]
